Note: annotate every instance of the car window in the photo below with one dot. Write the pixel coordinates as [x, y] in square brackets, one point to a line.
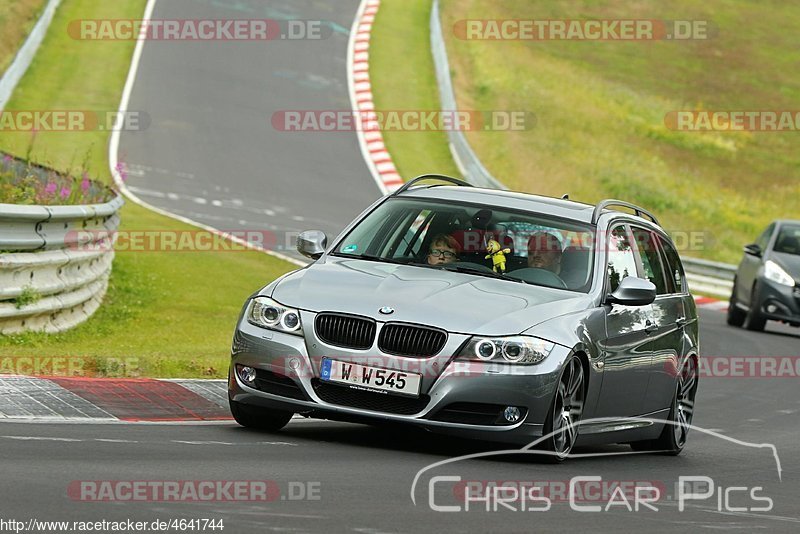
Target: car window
[621, 261]
[675, 276]
[411, 243]
[528, 247]
[788, 241]
[647, 250]
[763, 239]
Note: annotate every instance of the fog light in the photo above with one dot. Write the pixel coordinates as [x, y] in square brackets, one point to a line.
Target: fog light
[772, 308]
[512, 414]
[247, 375]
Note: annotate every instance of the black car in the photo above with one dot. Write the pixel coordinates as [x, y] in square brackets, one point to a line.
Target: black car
[767, 283]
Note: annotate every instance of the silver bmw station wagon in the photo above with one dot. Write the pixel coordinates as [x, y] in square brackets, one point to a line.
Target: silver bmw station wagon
[482, 314]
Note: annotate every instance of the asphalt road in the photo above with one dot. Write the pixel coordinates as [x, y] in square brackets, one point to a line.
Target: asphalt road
[210, 151]
[362, 475]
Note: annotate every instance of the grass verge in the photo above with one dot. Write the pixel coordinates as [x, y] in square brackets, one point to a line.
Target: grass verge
[17, 18]
[407, 81]
[167, 314]
[601, 109]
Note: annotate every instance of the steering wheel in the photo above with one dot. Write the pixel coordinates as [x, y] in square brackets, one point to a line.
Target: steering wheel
[472, 265]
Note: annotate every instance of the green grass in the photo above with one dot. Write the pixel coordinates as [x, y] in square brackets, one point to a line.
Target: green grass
[17, 18]
[168, 314]
[403, 78]
[600, 109]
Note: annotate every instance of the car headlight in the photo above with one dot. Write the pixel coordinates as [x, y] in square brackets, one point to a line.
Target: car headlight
[267, 313]
[774, 272]
[510, 349]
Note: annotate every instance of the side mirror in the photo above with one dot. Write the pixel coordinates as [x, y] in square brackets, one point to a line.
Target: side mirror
[753, 249]
[633, 291]
[312, 243]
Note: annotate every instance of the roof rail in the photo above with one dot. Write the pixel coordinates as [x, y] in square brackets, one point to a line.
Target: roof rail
[639, 211]
[440, 177]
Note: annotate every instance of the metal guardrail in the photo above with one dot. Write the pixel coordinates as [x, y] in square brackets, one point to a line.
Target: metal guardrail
[710, 277]
[704, 276]
[22, 60]
[467, 161]
[50, 280]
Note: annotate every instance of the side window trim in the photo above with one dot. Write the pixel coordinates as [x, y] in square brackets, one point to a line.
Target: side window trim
[611, 229]
[672, 288]
[639, 254]
[663, 244]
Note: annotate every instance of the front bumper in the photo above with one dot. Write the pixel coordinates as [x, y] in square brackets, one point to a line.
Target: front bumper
[291, 367]
[780, 302]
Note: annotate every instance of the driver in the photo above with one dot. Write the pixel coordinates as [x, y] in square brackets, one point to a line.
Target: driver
[444, 249]
[544, 252]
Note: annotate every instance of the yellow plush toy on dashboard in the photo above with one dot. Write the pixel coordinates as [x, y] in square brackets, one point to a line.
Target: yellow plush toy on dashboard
[498, 255]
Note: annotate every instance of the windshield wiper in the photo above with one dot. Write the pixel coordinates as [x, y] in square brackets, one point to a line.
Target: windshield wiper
[370, 257]
[479, 272]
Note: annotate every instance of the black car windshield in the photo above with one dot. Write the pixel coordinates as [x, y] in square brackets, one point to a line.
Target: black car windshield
[788, 241]
[478, 240]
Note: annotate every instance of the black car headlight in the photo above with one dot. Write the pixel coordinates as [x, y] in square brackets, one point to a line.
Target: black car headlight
[267, 313]
[508, 349]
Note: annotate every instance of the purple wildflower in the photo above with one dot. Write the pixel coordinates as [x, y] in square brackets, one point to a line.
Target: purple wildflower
[50, 188]
[85, 183]
[123, 173]
[65, 191]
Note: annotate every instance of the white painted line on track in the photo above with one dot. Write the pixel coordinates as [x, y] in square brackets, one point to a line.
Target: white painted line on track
[113, 157]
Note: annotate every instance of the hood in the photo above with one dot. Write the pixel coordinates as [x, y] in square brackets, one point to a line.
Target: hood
[789, 262]
[455, 302]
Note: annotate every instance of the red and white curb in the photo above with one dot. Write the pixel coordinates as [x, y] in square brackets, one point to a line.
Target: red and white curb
[112, 399]
[371, 142]
[711, 303]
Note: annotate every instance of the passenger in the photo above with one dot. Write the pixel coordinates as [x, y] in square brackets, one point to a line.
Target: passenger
[444, 249]
[544, 252]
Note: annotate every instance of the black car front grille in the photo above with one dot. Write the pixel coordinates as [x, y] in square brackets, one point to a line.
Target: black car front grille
[474, 413]
[368, 400]
[276, 384]
[346, 331]
[411, 340]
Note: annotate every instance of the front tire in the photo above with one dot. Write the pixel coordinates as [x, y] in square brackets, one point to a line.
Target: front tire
[259, 418]
[736, 316]
[565, 412]
[754, 320]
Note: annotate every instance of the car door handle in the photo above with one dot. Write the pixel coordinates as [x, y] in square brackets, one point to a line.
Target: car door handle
[681, 322]
[650, 326]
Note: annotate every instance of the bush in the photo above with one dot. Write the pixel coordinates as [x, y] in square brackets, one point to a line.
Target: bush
[22, 182]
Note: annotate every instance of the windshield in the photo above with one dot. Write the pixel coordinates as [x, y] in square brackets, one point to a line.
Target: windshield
[483, 241]
[788, 241]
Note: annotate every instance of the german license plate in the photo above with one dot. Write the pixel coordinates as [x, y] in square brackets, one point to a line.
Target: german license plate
[366, 376]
